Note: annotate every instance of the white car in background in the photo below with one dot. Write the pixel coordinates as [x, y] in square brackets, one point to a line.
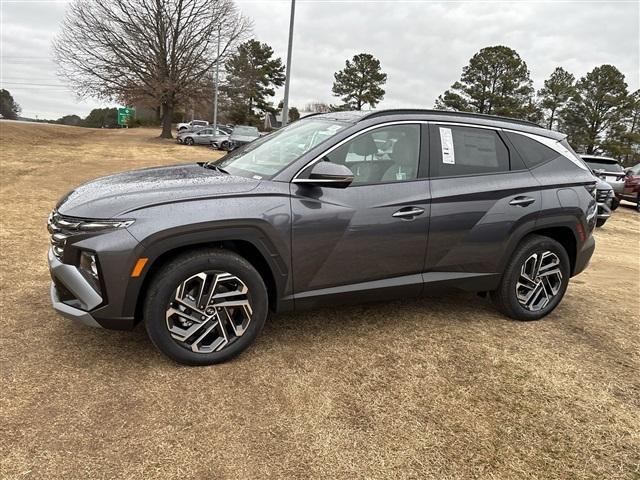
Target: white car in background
[192, 126]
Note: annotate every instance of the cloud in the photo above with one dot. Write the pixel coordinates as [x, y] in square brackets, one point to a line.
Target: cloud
[421, 45]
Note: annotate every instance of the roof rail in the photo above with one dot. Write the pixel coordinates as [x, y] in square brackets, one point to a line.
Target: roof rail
[379, 113]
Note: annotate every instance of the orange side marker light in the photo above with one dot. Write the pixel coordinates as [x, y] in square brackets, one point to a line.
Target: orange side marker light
[137, 268]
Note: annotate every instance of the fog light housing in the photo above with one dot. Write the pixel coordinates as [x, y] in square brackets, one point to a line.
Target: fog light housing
[89, 269]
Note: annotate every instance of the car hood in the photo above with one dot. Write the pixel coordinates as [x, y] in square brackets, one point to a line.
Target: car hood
[123, 193]
[243, 138]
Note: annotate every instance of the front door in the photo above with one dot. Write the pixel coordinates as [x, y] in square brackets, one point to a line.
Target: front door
[366, 241]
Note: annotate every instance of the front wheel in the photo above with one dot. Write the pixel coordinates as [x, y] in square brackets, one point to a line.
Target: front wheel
[600, 222]
[188, 141]
[205, 307]
[535, 279]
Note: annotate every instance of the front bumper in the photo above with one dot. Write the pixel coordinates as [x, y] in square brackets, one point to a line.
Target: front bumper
[85, 298]
[604, 211]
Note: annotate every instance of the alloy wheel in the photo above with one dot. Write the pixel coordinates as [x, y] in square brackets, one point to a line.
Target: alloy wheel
[540, 280]
[209, 311]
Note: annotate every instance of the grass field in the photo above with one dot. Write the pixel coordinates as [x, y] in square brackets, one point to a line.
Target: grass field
[431, 388]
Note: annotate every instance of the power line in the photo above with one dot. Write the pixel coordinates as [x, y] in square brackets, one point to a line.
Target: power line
[34, 84]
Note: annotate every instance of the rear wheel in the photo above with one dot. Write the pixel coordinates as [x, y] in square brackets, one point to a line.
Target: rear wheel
[600, 222]
[535, 279]
[205, 307]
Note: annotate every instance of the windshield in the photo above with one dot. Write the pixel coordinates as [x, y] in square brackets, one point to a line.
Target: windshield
[268, 155]
[635, 170]
[603, 165]
[245, 131]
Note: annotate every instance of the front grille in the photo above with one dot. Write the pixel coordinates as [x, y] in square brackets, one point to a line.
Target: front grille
[60, 228]
[602, 195]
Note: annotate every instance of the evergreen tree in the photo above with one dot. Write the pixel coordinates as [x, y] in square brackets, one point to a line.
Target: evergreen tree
[251, 75]
[8, 106]
[555, 94]
[597, 107]
[360, 82]
[496, 81]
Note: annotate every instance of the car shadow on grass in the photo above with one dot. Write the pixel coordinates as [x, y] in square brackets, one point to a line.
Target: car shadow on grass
[295, 330]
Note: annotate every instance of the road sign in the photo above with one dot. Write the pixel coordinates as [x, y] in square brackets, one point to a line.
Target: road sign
[124, 114]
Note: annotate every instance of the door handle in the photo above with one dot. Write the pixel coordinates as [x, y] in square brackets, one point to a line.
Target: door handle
[408, 213]
[522, 201]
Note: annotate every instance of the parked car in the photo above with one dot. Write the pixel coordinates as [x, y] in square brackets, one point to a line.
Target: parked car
[317, 214]
[206, 136]
[192, 126]
[631, 189]
[605, 199]
[241, 135]
[609, 170]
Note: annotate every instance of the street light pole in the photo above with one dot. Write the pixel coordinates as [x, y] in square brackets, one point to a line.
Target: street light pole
[285, 102]
[215, 93]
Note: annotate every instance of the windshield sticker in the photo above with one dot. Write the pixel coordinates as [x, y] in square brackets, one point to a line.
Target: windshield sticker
[257, 177]
[334, 128]
[446, 140]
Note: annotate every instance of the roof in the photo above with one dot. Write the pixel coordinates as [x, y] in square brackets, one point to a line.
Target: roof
[356, 116]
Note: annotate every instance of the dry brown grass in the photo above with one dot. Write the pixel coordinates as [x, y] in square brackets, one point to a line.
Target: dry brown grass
[431, 388]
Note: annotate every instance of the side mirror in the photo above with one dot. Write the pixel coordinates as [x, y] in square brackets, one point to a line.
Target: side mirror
[327, 174]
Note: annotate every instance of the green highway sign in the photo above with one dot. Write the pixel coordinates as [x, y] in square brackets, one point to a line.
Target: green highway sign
[124, 114]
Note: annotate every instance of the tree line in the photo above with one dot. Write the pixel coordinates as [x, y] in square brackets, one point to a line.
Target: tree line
[596, 111]
[162, 53]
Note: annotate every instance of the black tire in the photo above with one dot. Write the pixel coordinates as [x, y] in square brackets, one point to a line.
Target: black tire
[188, 141]
[224, 145]
[164, 284]
[638, 202]
[615, 203]
[505, 298]
[600, 222]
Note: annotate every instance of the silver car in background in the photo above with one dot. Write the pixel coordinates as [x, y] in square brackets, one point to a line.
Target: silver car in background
[217, 138]
[243, 134]
[609, 170]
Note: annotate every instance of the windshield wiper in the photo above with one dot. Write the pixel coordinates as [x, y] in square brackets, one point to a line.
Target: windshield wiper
[213, 166]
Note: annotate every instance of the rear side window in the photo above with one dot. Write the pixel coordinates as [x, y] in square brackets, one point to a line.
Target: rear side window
[468, 151]
[533, 153]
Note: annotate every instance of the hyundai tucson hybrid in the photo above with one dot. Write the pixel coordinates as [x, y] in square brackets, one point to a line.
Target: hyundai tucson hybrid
[335, 208]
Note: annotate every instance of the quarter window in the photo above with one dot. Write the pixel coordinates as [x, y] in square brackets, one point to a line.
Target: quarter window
[534, 153]
[387, 154]
[468, 151]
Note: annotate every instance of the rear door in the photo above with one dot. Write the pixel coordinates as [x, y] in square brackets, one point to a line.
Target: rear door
[366, 241]
[481, 195]
[204, 136]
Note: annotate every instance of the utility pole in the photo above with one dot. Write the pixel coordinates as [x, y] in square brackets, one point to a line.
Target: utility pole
[285, 102]
[215, 93]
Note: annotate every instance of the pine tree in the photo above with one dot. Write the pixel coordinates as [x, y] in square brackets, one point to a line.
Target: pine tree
[496, 81]
[251, 75]
[555, 94]
[597, 107]
[360, 82]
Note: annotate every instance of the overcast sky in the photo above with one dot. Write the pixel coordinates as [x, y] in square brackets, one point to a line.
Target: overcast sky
[422, 45]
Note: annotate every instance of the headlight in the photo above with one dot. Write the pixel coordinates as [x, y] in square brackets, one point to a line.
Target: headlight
[61, 228]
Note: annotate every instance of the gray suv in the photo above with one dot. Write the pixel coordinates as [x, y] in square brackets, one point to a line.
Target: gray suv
[335, 208]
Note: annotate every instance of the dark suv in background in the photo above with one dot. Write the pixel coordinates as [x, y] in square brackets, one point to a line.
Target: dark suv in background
[335, 208]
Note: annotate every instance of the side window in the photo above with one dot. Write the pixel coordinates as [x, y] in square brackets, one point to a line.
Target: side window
[468, 151]
[533, 153]
[386, 154]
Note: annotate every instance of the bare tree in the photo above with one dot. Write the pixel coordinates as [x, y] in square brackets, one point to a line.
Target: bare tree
[157, 51]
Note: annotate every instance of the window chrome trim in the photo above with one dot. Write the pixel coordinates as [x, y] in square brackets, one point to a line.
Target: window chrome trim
[352, 136]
